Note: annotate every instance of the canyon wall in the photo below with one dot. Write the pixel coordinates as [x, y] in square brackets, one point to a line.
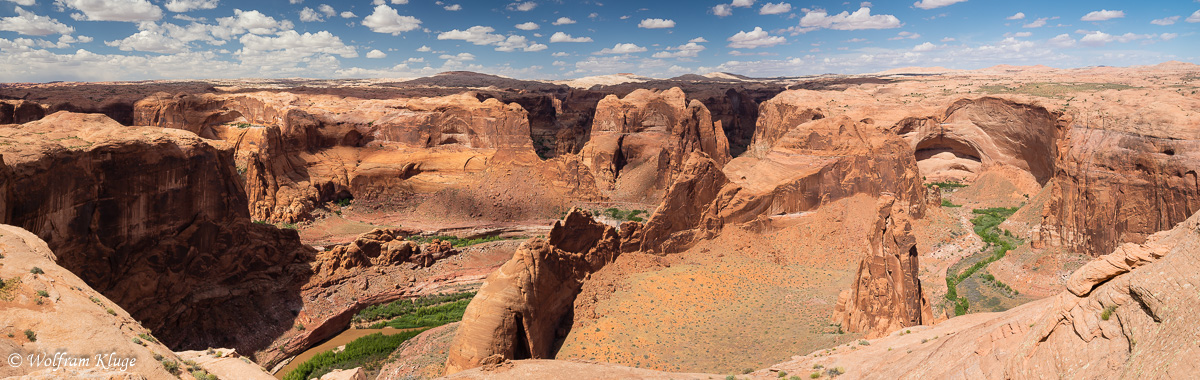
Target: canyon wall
[1113, 187]
[155, 220]
[299, 151]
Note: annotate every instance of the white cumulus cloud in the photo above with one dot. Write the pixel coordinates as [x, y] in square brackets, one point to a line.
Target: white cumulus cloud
[179, 6]
[743, 3]
[621, 49]
[563, 21]
[1165, 21]
[563, 37]
[1017, 16]
[925, 47]
[528, 26]
[1102, 15]
[754, 39]
[114, 10]
[656, 23]
[479, 35]
[860, 19]
[722, 10]
[376, 54]
[30, 24]
[1195, 17]
[688, 50]
[930, 4]
[523, 7]
[775, 8]
[386, 19]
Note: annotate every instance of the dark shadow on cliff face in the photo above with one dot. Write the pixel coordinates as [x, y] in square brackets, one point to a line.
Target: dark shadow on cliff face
[163, 231]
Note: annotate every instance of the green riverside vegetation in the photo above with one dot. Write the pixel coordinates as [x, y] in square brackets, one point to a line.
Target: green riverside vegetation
[985, 226]
[371, 351]
[404, 308]
[367, 352]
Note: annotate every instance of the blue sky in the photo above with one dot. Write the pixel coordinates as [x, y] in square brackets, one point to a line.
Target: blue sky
[92, 40]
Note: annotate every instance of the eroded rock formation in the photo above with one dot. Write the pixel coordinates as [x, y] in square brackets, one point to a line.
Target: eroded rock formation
[526, 305]
[816, 162]
[886, 293]
[639, 143]
[973, 134]
[379, 247]
[689, 211]
[155, 220]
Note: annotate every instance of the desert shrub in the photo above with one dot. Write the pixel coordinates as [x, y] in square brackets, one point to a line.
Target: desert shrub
[835, 372]
[171, 366]
[864, 342]
[37, 270]
[299, 327]
[42, 293]
[946, 185]
[110, 311]
[342, 202]
[947, 203]
[137, 341]
[814, 375]
[148, 338]
[782, 374]
[32, 336]
[731, 377]
[747, 370]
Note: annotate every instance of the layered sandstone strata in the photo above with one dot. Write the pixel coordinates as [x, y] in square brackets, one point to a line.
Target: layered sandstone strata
[155, 220]
[639, 143]
[299, 151]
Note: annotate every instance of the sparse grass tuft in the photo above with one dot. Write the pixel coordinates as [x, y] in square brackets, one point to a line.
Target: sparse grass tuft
[1108, 311]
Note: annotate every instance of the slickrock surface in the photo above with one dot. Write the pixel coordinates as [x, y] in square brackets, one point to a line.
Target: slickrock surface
[65, 315]
[71, 317]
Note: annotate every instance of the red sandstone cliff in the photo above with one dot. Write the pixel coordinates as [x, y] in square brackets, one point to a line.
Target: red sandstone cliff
[639, 143]
[154, 219]
[526, 305]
